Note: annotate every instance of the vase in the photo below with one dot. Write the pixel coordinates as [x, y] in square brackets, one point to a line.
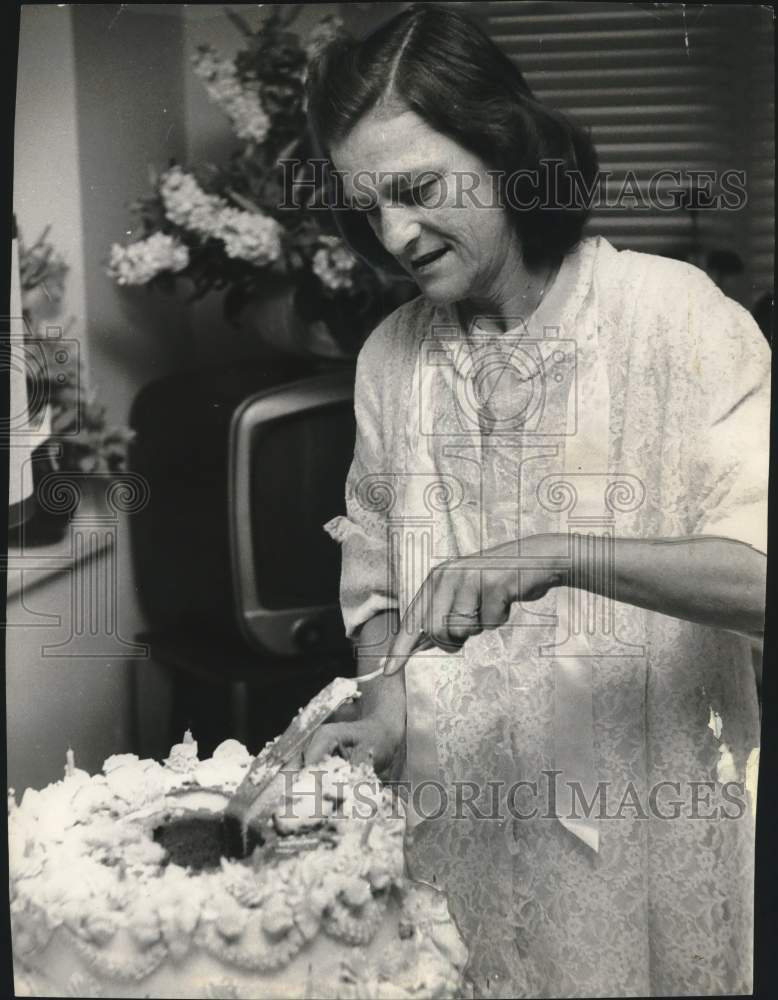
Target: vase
[273, 318]
[44, 524]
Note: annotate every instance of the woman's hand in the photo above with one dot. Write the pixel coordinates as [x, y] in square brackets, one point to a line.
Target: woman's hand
[463, 596]
[379, 729]
[372, 738]
[705, 579]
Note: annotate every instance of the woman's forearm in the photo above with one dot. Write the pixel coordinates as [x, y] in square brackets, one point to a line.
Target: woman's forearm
[384, 696]
[712, 581]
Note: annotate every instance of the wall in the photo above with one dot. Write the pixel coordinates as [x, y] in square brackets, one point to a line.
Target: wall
[104, 91]
[46, 154]
[99, 98]
[129, 97]
[208, 134]
[80, 694]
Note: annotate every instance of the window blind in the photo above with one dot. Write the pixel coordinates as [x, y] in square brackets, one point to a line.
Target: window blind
[760, 138]
[662, 87]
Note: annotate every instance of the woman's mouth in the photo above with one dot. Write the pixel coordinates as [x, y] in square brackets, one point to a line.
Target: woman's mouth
[427, 259]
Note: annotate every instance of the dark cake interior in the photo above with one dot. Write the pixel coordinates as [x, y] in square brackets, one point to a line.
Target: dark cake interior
[196, 841]
[199, 840]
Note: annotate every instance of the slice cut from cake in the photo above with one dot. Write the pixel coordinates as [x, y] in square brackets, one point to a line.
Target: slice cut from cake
[248, 800]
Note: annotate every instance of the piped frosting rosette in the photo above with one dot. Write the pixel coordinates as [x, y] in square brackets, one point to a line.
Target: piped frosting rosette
[93, 894]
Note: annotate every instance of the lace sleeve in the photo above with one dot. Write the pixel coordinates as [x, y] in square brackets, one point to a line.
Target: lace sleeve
[729, 377]
[366, 585]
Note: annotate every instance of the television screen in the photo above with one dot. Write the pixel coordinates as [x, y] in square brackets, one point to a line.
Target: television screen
[244, 466]
[298, 472]
[291, 447]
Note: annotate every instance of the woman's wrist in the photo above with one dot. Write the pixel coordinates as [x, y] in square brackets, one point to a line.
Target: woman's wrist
[545, 555]
[708, 580]
[383, 700]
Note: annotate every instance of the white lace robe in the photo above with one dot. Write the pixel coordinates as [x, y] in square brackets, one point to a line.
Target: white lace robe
[665, 905]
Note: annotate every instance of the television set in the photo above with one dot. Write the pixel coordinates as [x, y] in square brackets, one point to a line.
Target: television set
[244, 465]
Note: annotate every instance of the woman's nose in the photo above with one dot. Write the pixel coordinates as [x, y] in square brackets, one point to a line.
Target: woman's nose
[398, 229]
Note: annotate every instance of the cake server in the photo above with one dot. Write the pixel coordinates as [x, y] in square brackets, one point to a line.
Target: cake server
[269, 762]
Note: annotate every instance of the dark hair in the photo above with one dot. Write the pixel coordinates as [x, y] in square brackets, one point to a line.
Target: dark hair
[441, 65]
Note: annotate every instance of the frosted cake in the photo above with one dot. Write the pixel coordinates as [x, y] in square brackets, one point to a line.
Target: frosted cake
[119, 887]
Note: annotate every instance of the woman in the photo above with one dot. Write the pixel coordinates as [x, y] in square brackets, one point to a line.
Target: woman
[555, 535]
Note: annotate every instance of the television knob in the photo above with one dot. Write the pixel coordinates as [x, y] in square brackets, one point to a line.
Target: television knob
[308, 633]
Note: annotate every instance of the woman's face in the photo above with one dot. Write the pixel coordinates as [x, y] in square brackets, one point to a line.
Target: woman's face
[431, 204]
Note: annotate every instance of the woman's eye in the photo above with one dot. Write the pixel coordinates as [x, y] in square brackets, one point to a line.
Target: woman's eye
[424, 193]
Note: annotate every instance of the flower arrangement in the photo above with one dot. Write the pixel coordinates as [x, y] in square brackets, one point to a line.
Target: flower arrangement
[78, 421]
[231, 228]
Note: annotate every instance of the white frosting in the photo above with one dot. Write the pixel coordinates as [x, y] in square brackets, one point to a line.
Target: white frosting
[183, 756]
[232, 750]
[93, 901]
[341, 690]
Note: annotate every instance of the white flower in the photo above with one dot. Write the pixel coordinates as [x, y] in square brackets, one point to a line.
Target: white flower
[240, 103]
[333, 263]
[186, 204]
[322, 34]
[139, 262]
[249, 236]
